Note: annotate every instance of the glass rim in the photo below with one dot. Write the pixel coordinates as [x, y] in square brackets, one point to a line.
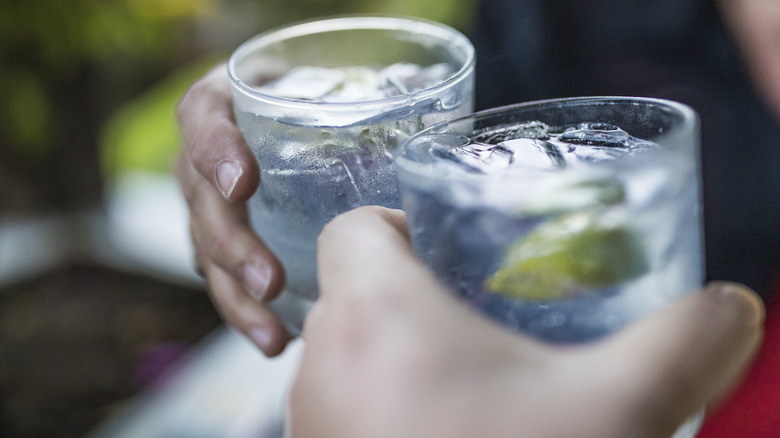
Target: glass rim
[447, 34]
[688, 114]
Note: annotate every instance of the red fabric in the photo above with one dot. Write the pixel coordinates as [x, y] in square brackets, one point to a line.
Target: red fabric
[753, 411]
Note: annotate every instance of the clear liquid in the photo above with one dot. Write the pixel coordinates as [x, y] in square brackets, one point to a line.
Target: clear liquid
[481, 202]
[310, 173]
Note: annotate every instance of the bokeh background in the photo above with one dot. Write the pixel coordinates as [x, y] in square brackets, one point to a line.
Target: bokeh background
[98, 301]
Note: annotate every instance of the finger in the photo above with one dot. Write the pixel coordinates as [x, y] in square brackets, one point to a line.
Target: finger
[226, 239]
[676, 361]
[256, 321]
[366, 263]
[223, 236]
[365, 251]
[372, 286]
[214, 144]
[365, 266]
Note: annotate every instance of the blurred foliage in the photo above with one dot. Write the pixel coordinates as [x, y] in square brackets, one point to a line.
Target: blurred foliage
[26, 108]
[69, 65]
[46, 45]
[63, 32]
[457, 13]
[142, 135]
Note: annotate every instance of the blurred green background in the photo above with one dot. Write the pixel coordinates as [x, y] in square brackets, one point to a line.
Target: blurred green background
[88, 91]
[89, 87]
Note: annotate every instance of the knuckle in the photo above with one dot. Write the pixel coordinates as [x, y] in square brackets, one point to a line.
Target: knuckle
[223, 242]
[212, 144]
[194, 93]
[219, 241]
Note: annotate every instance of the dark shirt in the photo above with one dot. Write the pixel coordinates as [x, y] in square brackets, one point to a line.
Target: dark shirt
[680, 50]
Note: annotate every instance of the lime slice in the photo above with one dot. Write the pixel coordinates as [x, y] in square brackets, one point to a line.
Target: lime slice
[580, 251]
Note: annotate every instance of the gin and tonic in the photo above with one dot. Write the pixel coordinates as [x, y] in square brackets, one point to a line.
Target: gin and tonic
[322, 104]
[564, 219]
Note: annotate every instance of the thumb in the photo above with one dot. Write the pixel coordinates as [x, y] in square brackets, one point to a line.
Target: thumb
[685, 357]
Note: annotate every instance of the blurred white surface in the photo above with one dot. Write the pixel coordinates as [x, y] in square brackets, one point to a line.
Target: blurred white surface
[147, 225]
[29, 246]
[227, 389]
[143, 228]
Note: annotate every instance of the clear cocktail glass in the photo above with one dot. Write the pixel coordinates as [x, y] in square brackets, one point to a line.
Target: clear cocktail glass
[564, 219]
[322, 104]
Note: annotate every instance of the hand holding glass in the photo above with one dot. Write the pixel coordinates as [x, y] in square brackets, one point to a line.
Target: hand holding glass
[563, 219]
[322, 104]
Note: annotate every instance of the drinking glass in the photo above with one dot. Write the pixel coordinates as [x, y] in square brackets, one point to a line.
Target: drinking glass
[563, 219]
[322, 104]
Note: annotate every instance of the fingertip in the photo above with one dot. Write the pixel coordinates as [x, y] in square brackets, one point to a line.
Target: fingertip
[264, 279]
[743, 303]
[256, 321]
[247, 181]
[214, 144]
[690, 354]
[364, 224]
[271, 340]
[397, 219]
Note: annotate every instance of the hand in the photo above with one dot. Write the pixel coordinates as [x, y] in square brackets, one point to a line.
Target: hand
[218, 173]
[390, 354]
[756, 28]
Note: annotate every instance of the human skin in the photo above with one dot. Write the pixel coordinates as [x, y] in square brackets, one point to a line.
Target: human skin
[755, 25]
[218, 173]
[391, 355]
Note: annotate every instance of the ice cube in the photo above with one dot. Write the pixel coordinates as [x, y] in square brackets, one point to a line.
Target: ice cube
[355, 84]
[533, 153]
[596, 134]
[597, 142]
[437, 72]
[395, 77]
[495, 137]
[535, 130]
[403, 78]
[596, 154]
[475, 157]
[519, 153]
[358, 84]
[307, 83]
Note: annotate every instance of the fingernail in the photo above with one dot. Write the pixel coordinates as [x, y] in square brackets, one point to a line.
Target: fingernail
[256, 277]
[741, 297]
[260, 337]
[727, 290]
[227, 177]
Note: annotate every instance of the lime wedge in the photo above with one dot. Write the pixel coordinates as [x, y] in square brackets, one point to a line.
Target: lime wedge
[580, 251]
